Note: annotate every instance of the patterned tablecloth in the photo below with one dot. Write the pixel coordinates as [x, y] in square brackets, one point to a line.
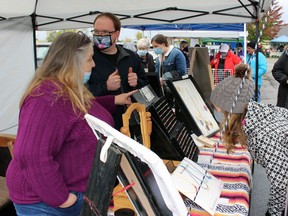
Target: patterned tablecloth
[234, 170]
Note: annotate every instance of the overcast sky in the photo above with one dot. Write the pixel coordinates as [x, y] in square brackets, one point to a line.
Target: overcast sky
[284, 4]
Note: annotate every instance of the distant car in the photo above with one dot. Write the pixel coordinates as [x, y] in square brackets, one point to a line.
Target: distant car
[41, 51]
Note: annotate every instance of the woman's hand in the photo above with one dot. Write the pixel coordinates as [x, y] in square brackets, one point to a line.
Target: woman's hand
[124, 98]
[70, 201]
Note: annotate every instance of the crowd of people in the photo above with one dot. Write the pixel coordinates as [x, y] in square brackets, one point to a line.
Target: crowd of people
[54, 149]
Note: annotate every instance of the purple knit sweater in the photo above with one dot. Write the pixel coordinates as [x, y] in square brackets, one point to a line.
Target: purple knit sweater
[54, 149]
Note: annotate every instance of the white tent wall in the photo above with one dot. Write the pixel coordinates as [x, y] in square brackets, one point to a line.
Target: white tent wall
[16, 68]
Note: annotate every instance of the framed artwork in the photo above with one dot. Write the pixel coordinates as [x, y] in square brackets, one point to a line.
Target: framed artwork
[101, 181]
[196, 113]
[143, 190]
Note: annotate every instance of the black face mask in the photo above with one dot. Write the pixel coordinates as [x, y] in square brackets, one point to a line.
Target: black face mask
[185, 49]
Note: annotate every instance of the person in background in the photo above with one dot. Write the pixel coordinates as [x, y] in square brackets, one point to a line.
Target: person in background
[280, 73]
[184, 48]
[171, 60]
[55, 147]
[262, 66]
[262, 128]
[118, 69]
[146, 58]
[240, 51]
[224, 63]
[170, 64]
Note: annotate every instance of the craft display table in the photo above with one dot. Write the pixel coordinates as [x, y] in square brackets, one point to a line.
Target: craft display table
[235, 171]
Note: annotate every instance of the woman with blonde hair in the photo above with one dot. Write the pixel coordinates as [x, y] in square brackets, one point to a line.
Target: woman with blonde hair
[55, 146]
[262, 128]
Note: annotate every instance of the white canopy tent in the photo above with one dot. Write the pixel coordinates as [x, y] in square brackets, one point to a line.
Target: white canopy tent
[19, 19]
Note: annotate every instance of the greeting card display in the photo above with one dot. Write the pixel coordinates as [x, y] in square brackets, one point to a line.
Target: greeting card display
[197, 184]
[195, 113]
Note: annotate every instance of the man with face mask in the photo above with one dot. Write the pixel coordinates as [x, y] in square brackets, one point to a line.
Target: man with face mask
[118, 70]
[224, 63]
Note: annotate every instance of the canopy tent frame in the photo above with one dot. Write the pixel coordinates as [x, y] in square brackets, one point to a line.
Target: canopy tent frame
[151, 15]
[49, 15]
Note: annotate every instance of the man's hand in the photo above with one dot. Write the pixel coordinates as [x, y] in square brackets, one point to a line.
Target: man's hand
[114, 81]
[132, 78]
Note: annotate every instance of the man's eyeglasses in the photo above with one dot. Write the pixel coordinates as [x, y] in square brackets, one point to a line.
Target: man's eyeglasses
[102, 33]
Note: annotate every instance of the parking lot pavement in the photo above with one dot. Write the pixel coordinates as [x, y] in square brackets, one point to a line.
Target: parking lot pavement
[269, 87]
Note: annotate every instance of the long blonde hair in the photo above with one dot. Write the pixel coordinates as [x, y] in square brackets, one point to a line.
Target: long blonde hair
[234, 133]
[63, 66]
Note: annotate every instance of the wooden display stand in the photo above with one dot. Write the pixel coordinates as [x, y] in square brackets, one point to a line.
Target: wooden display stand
[145, 122]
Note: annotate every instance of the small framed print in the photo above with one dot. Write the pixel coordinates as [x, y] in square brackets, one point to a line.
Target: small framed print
[145, 95]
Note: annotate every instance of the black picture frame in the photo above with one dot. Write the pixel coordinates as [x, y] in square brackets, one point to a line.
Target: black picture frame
[145, 194]
[102, 179]
[195, 112]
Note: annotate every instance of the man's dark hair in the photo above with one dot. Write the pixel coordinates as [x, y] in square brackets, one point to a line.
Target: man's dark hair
[183, 43]
[115, 19]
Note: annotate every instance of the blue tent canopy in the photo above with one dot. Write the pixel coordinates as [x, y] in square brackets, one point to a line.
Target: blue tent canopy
[190, 27]
[281, 39]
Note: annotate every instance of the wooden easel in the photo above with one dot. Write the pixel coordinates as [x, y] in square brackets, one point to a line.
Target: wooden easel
[145, 122]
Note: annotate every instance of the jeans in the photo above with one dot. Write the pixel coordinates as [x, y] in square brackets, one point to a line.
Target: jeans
[42, 209]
